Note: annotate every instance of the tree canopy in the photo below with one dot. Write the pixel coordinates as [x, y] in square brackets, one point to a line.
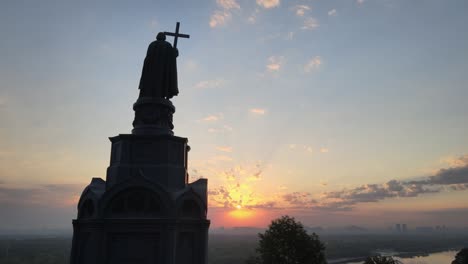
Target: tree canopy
[287, 242]
[461, 257]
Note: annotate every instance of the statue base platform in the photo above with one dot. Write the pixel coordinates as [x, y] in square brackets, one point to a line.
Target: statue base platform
[146, 211]
[153, 116]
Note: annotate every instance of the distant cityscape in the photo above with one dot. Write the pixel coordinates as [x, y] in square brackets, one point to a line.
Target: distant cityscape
[403, 228]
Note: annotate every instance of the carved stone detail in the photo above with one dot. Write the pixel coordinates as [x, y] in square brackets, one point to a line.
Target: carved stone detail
[153, 116]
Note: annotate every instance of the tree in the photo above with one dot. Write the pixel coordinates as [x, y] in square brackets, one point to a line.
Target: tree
[287, 242]
[381, 260]
[461, 257]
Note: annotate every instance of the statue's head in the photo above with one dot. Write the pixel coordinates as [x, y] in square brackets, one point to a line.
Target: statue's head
[161, 36]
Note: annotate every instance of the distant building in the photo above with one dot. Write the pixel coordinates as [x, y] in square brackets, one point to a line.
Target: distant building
[424, 229]
[404, 228]
[398, 228]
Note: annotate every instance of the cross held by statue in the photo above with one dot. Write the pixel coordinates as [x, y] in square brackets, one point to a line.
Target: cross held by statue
[176, 35]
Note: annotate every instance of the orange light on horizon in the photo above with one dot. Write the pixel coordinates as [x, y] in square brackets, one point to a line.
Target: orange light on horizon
[241, 214]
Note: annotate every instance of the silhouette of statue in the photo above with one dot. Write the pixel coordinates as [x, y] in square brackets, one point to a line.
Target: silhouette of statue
[159, 75]
[158, 84]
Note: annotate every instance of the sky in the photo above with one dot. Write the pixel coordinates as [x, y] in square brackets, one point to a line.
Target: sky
[345, 112]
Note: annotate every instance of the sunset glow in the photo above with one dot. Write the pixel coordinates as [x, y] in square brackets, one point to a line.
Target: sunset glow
[334, 112]
[241, 214]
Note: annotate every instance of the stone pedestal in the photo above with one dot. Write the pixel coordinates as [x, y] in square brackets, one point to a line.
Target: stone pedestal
[153, 116]
[146, 211]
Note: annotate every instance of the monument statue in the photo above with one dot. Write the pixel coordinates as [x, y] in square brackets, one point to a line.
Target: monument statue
[158, 84]
[159, 75]
[146, 211]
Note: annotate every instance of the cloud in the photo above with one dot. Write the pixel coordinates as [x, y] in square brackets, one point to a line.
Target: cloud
[313, 64]
[213, 118]
[454, 179]
[268, 3]
[228, 4]
[252, 19]
[456, 175]
[332, 12]
[210, 84]
[456, 161]
[239, 190]
[376, 192]
[258, 111]
[360, 2]
[219, 18]
[301, 9]
[223, 129]
[237, 187]
[263, 205]
[310, 24]
[459, 187]
[224, 148]
[275, 63]
[298, 199]
[305, 148]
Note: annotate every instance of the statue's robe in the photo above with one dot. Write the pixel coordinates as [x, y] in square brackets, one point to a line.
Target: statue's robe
[159, 75]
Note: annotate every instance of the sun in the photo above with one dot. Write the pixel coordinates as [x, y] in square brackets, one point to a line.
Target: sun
[241, 213]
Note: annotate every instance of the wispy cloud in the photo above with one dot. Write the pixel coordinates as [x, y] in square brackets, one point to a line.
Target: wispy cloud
[213, 118]
[301, 9]
[237, 188]
[332, 12]
[324, 150]
[252, 19]
[228, 4]
[305, 148]
[209, 84]
[258, 111]
[219, 18]
[313, 64]
[268, 3]
[224, 149]
[298, 199]
[222, 129]
[360, 2]
[310, 24]
[275, 63]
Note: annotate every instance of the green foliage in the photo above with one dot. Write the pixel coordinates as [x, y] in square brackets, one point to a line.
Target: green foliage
[381, 260]
[286, 242]
[461, 257]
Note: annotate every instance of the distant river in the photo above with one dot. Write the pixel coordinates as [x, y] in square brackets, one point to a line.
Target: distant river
[445, 257]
